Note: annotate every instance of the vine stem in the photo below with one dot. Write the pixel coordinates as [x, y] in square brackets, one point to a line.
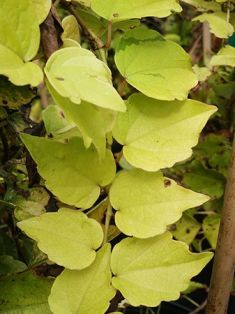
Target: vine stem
[87, 31]
[109, 214]
[224, 261]
[206, 44]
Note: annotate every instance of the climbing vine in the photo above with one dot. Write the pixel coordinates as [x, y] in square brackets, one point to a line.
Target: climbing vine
[113, 114]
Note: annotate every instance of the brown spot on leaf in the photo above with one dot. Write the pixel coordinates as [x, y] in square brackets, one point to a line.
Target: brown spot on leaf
[60, 78]
[167, 183]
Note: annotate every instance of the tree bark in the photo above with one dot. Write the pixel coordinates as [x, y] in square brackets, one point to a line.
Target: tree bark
[224, 262]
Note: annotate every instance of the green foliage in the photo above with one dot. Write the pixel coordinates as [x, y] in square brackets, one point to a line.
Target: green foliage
[218, 23]
[120, 104]
[152, 138]
[85, 291]
[124, 10]
[77, 237]
[24, 293]
[211, 228]
[154, 203]
[74, 71]
[226, 56]
[19, 43]
[71, 162]
[152, 65]
[164, 265]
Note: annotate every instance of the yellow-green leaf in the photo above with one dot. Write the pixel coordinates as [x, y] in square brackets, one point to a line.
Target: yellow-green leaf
[72, 172]
[19, 42]
[19, 73]
[186, 229]
[153, 270]
[19, 31]
[157, 134]
[71, 28]
[218, 23]
[157, 67]
[76, 73]
[87, 291]
[42, 8]
[226, 56]
[93, 122]
[210, 228]
[147, 203]
[127, 9]
[68, 237]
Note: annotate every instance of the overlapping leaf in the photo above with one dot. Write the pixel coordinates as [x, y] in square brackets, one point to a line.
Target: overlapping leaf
[157, 67]
[87, 291]
[153, 270]
[72, 172]
[147, 203]
[128, 9]
[71, 28]
[210, 228]
[68, 237]
[203, 5]
[76, 73]
[156, 134]
[42, 8]
[186, 229]
[19, 42]
[19, 73]
[226, 56]
[218, 23]
[93, 122]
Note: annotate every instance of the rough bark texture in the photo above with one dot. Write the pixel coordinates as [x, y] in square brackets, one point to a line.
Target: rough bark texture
[224, 263]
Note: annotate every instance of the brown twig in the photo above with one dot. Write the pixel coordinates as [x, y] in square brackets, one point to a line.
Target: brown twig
[49, 36]
[109, 35]
[224, 263]
[86, 30]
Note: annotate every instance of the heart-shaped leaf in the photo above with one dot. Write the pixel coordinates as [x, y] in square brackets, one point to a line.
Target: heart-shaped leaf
[68, 237]
[153, 270]
[72, 172]
[157, 134]
[157, 67]
[86, 291]
[147, 203]
[77, 74]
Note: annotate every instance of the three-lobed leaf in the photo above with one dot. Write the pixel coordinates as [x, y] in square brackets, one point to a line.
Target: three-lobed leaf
[86, 291]
[157, 67]
[147, 203]
[72, 172]
[68, 237]
[157, 134]
[153, 270]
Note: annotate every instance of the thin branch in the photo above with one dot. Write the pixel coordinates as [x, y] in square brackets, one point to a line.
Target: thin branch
[109, 35]
[206, 44]
[199, 308]
[224, 263]
[109, 214]
[87, 31]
